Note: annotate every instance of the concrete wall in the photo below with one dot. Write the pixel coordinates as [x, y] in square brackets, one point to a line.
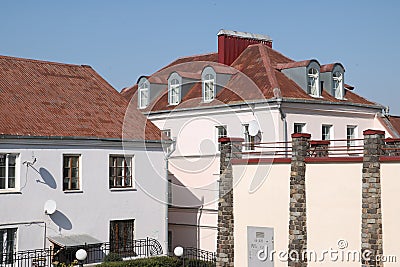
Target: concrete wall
[89, 210]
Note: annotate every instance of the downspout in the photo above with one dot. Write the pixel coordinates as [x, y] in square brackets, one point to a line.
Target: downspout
[285, 130]
[198, 221]
[167, 156]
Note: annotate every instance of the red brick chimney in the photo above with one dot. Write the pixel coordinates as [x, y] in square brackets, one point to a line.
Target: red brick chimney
[232, 43]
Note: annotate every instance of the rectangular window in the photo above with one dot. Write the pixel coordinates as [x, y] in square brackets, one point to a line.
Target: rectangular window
[299, 127]
[326, 132]
[174, 94]
[120, 172]
[248, 139]
[122, 236]
[208, 90]
[221, 132]
[144, 97]
[351, 135]
[71, 172]
[7, 171]
[8, 245]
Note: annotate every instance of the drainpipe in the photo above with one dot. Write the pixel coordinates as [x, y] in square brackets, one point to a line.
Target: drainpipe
[285, 130]
[198, 221]
[167, 156]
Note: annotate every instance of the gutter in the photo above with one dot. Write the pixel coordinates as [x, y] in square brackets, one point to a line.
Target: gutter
[285, 129]
[167, 156]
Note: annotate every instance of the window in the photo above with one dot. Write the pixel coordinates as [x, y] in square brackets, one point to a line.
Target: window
[8, 245]
[338, 84]
[221, 132]
[351, 135]
[120, 172]
[71, 172]
[209, 88]
[122, 236]
[299, 127]
[143, 95]
[313, 82]
[174, 92]
[170, 248]
[7, 171]
[326, 132]
[248, 139]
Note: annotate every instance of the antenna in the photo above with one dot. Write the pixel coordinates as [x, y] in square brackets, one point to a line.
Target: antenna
[50, 207]
[254, 128]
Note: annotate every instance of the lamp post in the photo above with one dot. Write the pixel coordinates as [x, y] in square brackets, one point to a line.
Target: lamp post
[81, 255]
[178, 251]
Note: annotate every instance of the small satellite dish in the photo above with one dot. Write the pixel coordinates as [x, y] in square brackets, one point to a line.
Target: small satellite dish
[50, 207]
[254, 128]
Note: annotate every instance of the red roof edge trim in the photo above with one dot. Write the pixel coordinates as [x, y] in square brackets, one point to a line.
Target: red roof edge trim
[372, 132]
[389, 159]
[334, 160]
[230, 139]
[320, 142]
[261, 161]
[392, 140]
[299, 135]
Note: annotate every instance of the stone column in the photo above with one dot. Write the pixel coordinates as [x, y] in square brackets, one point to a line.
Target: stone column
[297, 209]
[371, 227]
[225, 241]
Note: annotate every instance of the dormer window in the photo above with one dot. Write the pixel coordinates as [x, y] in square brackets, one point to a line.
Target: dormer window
[209, 88]
[338, 84]
[143, 94]
[313, 82]
[174, 92]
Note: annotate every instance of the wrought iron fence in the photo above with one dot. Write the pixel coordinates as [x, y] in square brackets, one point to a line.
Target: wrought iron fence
[52, 257]
[195, 257]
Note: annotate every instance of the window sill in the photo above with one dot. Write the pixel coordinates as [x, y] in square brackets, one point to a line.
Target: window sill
[117, 189]
[315, 96]
[8, 192]
[73, 191]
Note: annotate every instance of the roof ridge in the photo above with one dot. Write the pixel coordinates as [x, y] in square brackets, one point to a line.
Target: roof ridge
[268, 67]
[42, 61]
[197, 55]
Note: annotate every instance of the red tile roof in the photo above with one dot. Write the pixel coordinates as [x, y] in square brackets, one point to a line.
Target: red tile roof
[40, 98]
[261, 66]
[392, 124]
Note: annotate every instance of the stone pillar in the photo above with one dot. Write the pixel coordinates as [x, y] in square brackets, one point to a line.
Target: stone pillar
[297, 209]
[393, 147]
[371, 227]
[225, 241]
[319, 148]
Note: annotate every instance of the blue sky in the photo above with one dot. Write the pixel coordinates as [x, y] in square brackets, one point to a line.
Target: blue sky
[125, 39]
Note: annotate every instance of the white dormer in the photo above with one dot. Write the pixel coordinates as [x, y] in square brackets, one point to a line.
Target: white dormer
[144, 92]
[208, 77]
[338, 84]
[174, 88]
[313, 80]
[333, 77]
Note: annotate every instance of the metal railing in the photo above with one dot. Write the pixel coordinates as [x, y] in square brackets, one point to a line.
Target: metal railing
[195, 257]
[51, 257]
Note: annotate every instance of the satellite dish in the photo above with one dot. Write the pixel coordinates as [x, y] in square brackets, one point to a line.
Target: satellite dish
[50, 207]
[254, 128]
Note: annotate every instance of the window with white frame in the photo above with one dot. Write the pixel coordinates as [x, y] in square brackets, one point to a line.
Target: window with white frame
[313, 82]
[120, 175]
[351, 135]
[248, 139]
[299, 127]
[209, 88]
[221, 132]
[8, 246]
[338, 84]
[71, 173]
[326, 132]
[8, 171]
[143, 95]
[174, 92]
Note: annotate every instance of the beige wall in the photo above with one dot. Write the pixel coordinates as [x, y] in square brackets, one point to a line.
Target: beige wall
[266, 207]
[334, 196]
[390, 182]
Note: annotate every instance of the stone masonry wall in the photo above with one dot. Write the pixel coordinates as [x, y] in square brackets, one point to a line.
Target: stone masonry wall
[371, 228]
[297, 209]
[225, 241]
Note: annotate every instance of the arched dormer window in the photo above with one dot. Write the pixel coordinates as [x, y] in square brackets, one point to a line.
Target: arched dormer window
[208, 88]
[174, 92]
[313, 82]
[338, 84]
[143, 94]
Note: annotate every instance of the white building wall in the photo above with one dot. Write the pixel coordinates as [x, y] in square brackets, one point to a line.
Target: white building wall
[89, 210]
